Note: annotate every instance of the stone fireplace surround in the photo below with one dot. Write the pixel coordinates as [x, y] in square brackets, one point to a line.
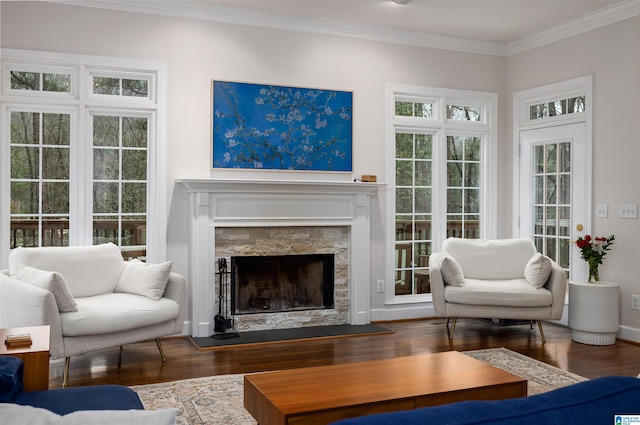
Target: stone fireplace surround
[216, 204]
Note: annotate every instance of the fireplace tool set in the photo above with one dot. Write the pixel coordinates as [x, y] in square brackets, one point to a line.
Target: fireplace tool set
[223, 322]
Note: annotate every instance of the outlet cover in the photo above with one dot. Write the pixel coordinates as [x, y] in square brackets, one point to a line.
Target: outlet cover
[635, 302]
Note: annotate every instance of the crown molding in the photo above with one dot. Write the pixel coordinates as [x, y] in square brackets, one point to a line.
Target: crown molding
[243, 16]
[606, 16]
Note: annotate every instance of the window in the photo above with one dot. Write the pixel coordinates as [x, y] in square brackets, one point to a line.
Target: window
[120, 145]
[81, 162]
[39, 178]
[444, 146]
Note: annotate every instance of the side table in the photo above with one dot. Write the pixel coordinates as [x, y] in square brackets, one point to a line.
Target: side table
[594, 310]
[35, 357]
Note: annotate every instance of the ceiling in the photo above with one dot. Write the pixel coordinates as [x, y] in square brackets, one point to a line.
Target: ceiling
[487, 20]
[500, 27]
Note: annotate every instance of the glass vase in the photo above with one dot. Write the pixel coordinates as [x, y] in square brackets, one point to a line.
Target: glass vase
[594, 277]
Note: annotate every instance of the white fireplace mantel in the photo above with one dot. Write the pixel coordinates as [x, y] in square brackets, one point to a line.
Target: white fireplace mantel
[261, 203]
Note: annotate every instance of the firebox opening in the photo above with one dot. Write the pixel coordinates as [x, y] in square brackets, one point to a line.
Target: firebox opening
[282, 283]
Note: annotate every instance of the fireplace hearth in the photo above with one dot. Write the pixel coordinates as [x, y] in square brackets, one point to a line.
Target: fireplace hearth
[279, 283]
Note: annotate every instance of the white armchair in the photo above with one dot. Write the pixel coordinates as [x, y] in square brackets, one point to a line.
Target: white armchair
[497, 279]
[90, 298]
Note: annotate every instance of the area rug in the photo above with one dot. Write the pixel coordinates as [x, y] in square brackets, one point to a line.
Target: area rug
[218, 400]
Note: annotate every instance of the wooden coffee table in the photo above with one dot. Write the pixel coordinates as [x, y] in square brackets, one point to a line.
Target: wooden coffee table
[323, 394]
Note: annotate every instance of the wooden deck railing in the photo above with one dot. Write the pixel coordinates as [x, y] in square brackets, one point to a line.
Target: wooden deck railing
[55, 232]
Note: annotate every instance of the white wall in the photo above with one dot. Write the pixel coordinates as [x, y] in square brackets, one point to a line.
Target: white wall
[198, 51]
[611, 54]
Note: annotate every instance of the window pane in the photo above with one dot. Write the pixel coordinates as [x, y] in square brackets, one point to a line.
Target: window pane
[454, 226]
[576, 104]
[538, 159]
[24, 232]
[55, 163]
[564, 188]
[414, 109]
[134, 231]
[134, 197]
[404, 173]
[106, 85]
[134, 165]
[56, 129]
[454, 174]
[106, 164]
[55, 231]
[455, 148]
[472, 175]
[105, 230]
[134, 132]
[538, 189]
[136, 88]
[551, 158]
[25, 198]
[55, 198]
[564, 215]
[404, 228]
[423, 173]
[423, 228]
[551, 190]
[105, 130]
[423, 146]
[464, 113]
[404, 201]
[423, 201]
[472, 149]
[404, 145]
[564, 151]
[25, 128]
[472, 201]
[454, 201]
[551, 221]
[57, 82]
[25, 80]
[105, 198]
[25, 162]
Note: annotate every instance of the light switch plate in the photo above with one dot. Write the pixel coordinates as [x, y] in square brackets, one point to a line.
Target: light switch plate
[628, 211]
[602, 210]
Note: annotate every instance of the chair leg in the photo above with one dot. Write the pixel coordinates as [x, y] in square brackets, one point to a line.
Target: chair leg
[452, 329]
[65, 376]
[164, 359]
[541, 331]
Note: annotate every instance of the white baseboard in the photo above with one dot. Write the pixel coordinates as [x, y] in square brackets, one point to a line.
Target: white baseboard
[628, 333]
[422, 311]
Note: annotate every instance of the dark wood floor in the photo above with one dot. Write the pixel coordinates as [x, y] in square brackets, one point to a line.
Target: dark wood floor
[141, 364]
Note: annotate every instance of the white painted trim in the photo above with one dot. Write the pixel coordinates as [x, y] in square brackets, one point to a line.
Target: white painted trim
[154, 108]
[577, 86]
[629, 333]
[600, 18]
[265, 203]
[439, 127]
[208, 11]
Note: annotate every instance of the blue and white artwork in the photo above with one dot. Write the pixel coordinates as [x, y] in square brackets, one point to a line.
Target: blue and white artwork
[265, 127]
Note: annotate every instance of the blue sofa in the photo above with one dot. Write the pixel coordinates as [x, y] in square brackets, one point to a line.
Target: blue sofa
[594, 402]
[63, 401]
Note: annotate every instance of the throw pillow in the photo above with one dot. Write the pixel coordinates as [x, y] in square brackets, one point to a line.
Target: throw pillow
[145, 279]
[451, 271]
[53, 282]
[537, 270]
[21, 414]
